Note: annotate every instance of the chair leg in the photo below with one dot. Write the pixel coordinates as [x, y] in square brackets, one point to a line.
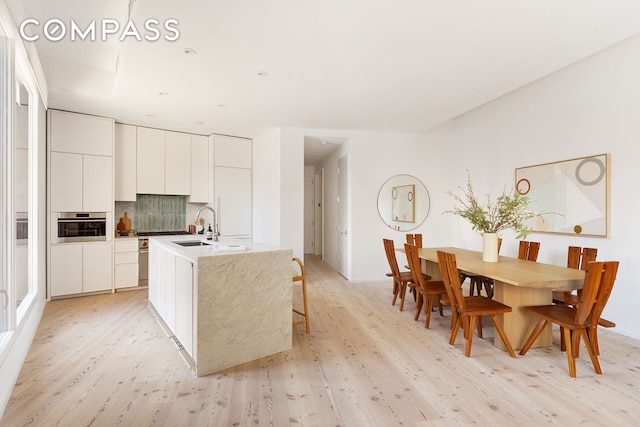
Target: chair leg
[592, 351]
[428, 309]
[570, 358]
[419, 303]
[403, 292]
[592, 331]
[472, 323]
[454, 330]
[480, 327]
[533, 336]
[396, 290]
[503, 335]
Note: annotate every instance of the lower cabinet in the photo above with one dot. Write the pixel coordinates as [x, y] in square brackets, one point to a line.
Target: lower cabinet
[171, 287]
[78, 268]
[125, 261]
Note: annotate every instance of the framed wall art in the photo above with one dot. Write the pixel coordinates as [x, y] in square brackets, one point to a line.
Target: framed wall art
[572, 194]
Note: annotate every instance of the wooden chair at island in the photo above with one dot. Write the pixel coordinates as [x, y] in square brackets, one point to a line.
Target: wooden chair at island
[302, 278]
[428, 290]
[470, 308]
[576, 321]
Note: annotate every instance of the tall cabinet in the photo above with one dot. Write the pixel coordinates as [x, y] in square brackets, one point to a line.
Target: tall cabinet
[80, 180]
[233, 161]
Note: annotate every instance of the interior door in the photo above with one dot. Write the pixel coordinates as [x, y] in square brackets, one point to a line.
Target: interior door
[343, 232]
[309, 235]
[318, 220]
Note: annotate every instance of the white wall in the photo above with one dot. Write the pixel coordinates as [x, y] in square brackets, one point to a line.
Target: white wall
[589, 108]
[266, 188]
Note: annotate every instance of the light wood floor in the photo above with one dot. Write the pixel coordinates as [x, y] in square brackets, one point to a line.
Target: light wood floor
[104, 361]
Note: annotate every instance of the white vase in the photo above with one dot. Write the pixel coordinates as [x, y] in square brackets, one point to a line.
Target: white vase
[490, 247]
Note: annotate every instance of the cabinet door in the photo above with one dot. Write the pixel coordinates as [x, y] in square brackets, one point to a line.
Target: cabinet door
[233, 200]
[97, 179]
[150, 161]
[125, 163]
[158, 279]
[126, 275]
[177, 160]
[233, 152]
[97, 266]
[199, 169]
[80, 133]
[66, 269]
[66, 182]
[184, 304]
[170, 317]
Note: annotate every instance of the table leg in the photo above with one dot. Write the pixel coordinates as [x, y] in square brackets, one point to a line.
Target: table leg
[519, 324]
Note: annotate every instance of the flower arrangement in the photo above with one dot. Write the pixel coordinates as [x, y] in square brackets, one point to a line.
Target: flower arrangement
[510, 211]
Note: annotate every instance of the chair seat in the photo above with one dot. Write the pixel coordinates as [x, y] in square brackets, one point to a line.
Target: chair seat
[478, 305]
[561, 315]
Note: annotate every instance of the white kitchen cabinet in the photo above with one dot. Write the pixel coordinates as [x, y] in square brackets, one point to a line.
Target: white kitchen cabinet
[97, 184]
[97, 266]
[66, 182]
[158, 279]
[66, 269]
[233, 200]
[232, 151]
[80, 133]
[78, 268]
[150, 161]
[177, 161]
[170, 316]
[81, 183]
[199, 169]
[125, 260]
[124, 155]
[184, 303]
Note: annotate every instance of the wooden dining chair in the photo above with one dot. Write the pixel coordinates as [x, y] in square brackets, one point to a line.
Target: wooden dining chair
[577, 258]
[476, 283]
[428, 290]
[401, 279]
[414, 239]
[576, 321]
[528, 250]
[302, 278]
[470, 308]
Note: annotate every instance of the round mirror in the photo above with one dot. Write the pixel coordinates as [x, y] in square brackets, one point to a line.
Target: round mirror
[403, 203]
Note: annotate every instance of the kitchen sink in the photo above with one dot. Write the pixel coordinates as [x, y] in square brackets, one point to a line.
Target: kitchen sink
[191, 243]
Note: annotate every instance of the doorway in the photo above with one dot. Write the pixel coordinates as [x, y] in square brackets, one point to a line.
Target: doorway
[343, 232]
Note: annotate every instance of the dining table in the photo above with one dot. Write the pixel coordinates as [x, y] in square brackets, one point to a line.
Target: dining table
[517, 283]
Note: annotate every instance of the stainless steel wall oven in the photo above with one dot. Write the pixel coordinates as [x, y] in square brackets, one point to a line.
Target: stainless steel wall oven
[82, 226]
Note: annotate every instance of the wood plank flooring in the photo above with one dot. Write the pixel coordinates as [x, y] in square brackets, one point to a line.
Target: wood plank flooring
[104, 361]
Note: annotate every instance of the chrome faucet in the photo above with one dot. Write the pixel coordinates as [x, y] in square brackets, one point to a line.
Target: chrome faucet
[216, 235]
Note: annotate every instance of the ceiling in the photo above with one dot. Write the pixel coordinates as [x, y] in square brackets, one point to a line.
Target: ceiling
[401, 66]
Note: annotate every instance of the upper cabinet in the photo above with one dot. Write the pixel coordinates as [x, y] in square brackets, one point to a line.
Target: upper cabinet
[177, 161]
[163, 160]
[80, 133]
[80, 162]
[150, 161]
[199, 169]
[124, 155]
[233, 152]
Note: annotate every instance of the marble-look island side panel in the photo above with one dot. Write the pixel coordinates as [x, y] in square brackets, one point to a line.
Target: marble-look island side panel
[241, 300]
[244, 308]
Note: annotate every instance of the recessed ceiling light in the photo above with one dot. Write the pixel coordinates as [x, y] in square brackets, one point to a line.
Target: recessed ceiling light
[324, 143]
[199, 123]
[188, 51]
[163, 93]
[221, 105]
[150, 115]
[262, 74]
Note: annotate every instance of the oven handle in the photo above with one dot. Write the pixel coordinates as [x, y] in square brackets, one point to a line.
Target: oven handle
[82, 220]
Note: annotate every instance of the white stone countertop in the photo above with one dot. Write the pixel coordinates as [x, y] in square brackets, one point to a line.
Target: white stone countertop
[225, 247]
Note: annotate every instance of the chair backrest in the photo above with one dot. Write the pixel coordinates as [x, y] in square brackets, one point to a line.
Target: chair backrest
[414, 239]
[528, 250]
[579, 258]
[451, 278]
[598, 283]
[390, 250]
[415, 265]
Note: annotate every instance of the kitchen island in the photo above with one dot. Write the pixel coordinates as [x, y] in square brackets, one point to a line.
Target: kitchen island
[223, 303]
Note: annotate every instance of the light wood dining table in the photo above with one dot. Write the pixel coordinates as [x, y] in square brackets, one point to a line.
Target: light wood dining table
[517, 283]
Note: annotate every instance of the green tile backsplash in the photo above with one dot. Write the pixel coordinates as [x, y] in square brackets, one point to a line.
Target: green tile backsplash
[160, 213]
